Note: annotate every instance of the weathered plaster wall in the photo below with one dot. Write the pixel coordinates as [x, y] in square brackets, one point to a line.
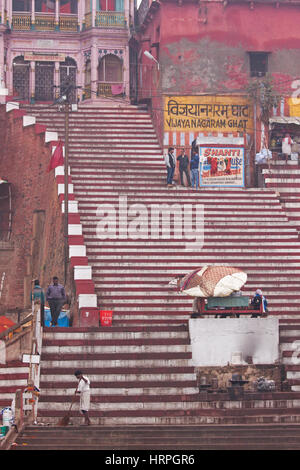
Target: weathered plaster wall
[38, 252]
[203, 49]
[202, 66]
[219, 342]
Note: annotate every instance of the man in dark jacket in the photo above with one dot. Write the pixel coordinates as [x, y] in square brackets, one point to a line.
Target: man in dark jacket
[195, 169]
[184, 167]
[170, 164]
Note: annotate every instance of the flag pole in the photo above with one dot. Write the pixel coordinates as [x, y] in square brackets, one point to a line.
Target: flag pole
[66, 188]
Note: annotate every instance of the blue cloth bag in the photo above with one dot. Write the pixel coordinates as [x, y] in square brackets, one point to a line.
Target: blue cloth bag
[63, 319]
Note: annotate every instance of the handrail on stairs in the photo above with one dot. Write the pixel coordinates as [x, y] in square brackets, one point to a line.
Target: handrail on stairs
[25, 402]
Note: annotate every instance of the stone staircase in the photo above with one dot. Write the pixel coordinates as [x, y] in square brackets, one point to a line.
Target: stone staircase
[141, 368]
[289, 335]
[114, 153]
[139, 374]
[13, 375]
[284, 178]
[164, 438]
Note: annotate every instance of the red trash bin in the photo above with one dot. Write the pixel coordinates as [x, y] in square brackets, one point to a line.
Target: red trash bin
[106, 317]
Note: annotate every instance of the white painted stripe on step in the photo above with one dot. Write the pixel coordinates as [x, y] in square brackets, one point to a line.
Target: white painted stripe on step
[77, 250]
[126, 391]
[74, 229]
[87, 301]
[82, 272]
[142, 363]
[72, 205]
[118, 349]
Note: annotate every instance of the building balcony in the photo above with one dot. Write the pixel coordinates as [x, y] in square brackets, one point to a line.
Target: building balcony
[106, 19]
[110, 19]
[25, 21]
[44, 22]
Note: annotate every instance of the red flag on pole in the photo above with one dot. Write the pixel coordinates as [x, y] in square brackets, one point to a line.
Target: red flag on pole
[57, 158]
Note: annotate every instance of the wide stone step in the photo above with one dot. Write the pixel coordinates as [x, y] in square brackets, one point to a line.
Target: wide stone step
[123, 380]
[113, 361]
[158, 250]
[117, 349]
[134, 388]
[187, 416]
[138, 437]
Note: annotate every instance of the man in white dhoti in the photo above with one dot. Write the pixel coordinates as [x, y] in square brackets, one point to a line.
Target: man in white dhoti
[84, 390]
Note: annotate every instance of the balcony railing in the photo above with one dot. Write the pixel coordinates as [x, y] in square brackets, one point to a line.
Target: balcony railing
[68, 23]
[88, 20]
[44, 22]
[22, 21]
[110, 19]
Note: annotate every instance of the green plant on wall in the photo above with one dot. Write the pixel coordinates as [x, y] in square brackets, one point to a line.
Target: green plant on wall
[264, 94]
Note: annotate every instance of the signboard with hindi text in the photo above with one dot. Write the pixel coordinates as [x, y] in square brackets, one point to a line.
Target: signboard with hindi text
[44, 57]
[221, 166]
[208, 114]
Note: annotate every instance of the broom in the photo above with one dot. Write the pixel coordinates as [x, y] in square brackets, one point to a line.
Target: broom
[66, 419]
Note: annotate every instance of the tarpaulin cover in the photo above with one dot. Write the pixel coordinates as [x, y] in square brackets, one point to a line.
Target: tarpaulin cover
[213, 281]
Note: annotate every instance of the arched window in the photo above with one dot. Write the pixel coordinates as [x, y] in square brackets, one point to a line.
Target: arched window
[21, 77]
[110, 69]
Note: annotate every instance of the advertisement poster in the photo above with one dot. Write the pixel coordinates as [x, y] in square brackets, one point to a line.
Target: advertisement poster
[222, 166]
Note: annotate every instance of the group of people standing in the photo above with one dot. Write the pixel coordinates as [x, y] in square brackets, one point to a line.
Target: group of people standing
[189, 168]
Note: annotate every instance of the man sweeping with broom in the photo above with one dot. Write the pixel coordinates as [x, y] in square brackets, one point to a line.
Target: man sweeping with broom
[84, 390]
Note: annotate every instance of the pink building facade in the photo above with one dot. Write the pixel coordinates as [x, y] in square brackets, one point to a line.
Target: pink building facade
[42, 42]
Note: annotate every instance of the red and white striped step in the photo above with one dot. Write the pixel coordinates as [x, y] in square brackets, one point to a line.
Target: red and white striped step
[247, 228]
[13, 375]
[284, 178]
[134, 371]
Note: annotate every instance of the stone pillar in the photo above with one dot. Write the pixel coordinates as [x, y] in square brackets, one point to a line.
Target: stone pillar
[9, 12]
[94, 7]
[2, 11]
[32, 14]
[56, 79]
[126, 12]
[80, 76]
[80, 14]
[126, 75]
[1, 60]
[3, 89]
[94, 71]
[56, 15]
[9, 72]
[32, 80]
